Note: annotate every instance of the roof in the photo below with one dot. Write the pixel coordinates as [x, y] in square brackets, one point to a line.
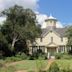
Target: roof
[51, 18]
[59, 31]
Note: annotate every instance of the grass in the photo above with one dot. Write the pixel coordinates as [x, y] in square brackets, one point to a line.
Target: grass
[31, 65]
[64, 64]
[7, 69]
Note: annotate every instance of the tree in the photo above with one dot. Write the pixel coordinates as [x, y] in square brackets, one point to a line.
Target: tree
[4, 49]
[20, 24]
[69, 36]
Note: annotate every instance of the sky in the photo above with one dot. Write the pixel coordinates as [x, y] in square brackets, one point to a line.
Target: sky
[60, 9]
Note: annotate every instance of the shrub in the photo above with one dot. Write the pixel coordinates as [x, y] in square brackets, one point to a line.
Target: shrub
[12, 59]
[37, 55]
[54, 68]
[58, 55]
[42, 56]
[18, 57]
[67, 56]
[31, 58]
[22, 56]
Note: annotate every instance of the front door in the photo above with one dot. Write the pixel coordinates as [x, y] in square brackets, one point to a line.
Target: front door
[51, 51]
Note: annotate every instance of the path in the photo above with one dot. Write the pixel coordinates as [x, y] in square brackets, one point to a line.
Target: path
[50, 61]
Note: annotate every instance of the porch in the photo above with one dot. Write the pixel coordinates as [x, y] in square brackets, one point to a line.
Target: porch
[50, 50]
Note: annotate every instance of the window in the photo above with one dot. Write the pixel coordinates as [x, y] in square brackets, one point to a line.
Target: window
[42, 48]
[61, 39]
[61, 49]
[51, 31]
[41, 39]
[51, 39]
[50, 21]
[34, 49]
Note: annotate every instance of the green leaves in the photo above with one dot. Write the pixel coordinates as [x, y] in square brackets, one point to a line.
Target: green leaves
[20, 24]
[69, 35]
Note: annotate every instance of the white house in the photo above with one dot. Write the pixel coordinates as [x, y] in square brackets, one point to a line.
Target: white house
[52, 40]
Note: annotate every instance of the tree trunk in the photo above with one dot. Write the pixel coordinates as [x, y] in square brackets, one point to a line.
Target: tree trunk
[13, 43]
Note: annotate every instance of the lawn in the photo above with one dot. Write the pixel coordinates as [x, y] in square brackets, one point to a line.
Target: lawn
[64, 64]
[29, 65]
[32, 65]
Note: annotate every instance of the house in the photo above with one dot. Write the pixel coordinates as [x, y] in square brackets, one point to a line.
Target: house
[52, 40]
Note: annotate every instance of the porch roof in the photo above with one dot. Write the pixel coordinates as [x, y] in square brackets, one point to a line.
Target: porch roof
[52, 44]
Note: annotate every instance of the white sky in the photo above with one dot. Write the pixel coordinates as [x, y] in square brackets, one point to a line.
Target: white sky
[32, 4]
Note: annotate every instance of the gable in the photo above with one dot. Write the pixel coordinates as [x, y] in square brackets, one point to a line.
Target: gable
[51, 32]
[52, 44]
[59, 31]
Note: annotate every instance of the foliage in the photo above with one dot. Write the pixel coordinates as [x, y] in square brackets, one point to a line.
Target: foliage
[23, 56]
[17, 57]
[54, 68]
[19, 27]
[12, 59]
[69, 36]
[67, 56]
[38, 55]
[3, 45]
[63, 56]
[58, 55]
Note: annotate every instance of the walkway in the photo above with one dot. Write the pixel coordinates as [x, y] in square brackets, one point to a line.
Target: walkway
[50, 61]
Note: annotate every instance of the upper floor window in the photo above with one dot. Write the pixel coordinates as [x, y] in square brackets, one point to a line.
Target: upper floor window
[51, 31]
[51, 39]
[50, 21]
[61, 39]
[41, 39]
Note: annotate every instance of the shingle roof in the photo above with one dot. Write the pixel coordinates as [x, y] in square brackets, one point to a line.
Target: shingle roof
[60, 31]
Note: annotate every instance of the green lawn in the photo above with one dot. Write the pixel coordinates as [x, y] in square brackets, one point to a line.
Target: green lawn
[64, 64]
[31, 65]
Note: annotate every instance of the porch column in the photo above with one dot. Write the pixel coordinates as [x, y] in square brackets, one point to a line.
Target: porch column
[45, 50]
[38, 47]
[57, 49]
[65, 49]
[30, 50]
[70, 48]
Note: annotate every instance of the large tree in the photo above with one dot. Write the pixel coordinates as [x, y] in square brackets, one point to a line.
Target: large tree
[69, 36]
[20, 24]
